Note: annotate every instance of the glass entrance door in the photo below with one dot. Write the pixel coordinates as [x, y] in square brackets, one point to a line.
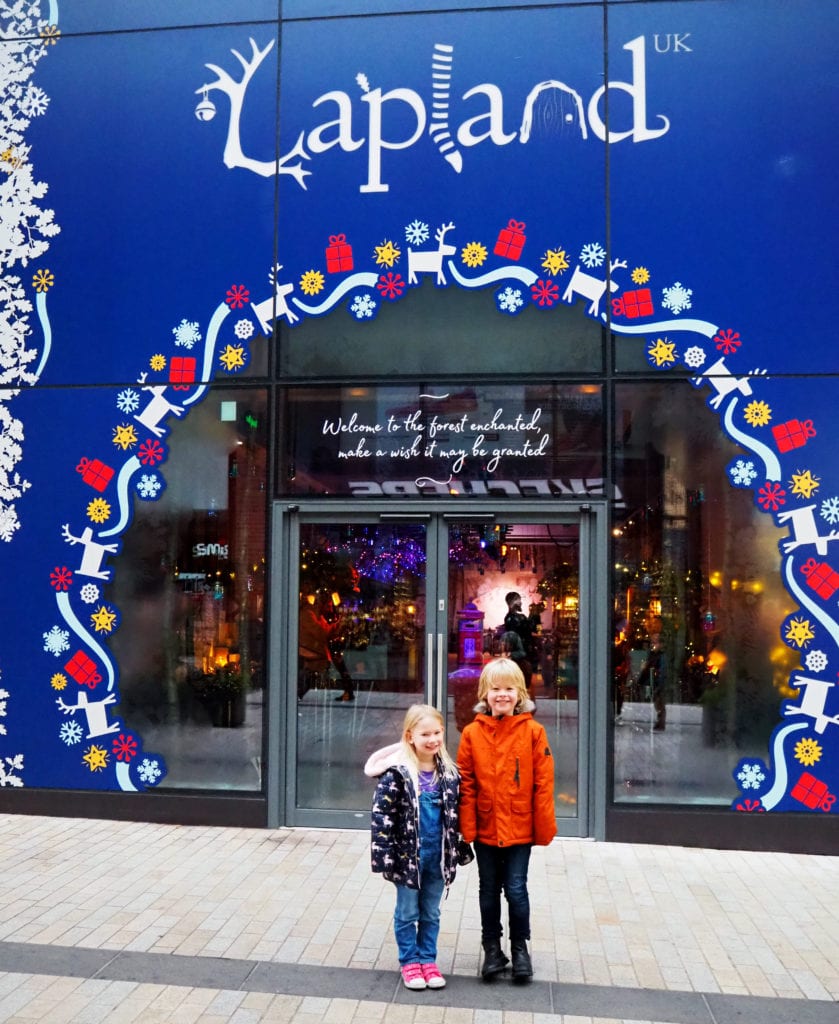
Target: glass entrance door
[389, 609]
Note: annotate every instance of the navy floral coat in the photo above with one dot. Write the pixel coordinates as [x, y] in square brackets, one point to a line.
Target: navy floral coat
[394, 829]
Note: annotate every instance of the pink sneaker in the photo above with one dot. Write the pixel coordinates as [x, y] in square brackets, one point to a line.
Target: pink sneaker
[432, 975]
[413, 976]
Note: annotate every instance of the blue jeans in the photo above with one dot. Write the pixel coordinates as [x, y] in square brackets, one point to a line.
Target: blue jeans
[416, 921]
[503, 867]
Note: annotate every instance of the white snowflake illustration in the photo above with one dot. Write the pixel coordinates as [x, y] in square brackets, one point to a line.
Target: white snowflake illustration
[148, 485]
[362, 306]
[7, 776]
[676, 298]
[89, 593]
[510, 300]
[70, 733]
[57, 641]
[34, 102]
[8, 521]
[416, 232]
[816, 661]
[128, 400]
[695, 356]
[4, 695]
[149, 771]
[830, 510]
[592, 254]
[742, 472]
[750, 776]
[186, 333]
[243, 329]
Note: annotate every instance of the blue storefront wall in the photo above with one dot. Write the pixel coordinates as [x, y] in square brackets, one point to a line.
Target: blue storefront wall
[208, 166]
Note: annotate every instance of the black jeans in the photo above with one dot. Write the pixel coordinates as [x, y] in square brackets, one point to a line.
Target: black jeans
[503, 867]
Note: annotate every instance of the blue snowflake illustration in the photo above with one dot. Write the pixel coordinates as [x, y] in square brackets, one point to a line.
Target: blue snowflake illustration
[128, 400]
[742, 472]
[56, 641]
[149, 486]
[149, 771]
[363, 306]
[592, 254]
[830, 510]
[70, 733]
[509, 300]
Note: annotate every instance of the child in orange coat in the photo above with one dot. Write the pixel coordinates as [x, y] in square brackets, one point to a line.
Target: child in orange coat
[506, 807]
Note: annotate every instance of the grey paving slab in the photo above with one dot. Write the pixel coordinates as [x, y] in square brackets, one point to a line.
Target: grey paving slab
[746, 1010]
[163, 969]
[62, 961]
[332, 983]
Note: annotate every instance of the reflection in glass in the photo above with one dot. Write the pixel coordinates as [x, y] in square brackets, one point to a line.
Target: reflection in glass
[361, 653]
[191, 588]
[514, 590]
[698, 664]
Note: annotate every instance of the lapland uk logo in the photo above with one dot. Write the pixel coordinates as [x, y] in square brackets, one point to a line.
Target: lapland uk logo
[398, 118]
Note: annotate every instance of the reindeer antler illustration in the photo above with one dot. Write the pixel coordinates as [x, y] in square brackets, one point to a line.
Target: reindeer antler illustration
[235, 91]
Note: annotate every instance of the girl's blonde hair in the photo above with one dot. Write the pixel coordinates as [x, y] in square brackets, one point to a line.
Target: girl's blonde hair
[413, 716]
[503, 672]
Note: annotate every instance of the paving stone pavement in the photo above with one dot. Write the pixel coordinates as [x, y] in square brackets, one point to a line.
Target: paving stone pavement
[125, 922]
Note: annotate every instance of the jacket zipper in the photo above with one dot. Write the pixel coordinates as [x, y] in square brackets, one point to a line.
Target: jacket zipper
[518, 783]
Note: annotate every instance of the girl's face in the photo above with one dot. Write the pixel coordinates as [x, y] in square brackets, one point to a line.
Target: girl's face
[502, 698]
[426, 738]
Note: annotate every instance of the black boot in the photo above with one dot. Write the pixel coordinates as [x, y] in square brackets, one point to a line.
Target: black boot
[522, 964]
[494, 959]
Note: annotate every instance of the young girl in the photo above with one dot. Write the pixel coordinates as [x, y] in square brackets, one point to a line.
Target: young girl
[415, 839]
[506, 807]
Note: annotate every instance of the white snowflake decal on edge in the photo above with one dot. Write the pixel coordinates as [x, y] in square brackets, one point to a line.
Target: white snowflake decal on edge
[509, 300]
[742, 473]
[363, 306]
[149, 771]
[750, 776]
[816, 661]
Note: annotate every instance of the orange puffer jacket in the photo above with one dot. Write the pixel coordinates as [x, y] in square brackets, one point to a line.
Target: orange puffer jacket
[506, 781]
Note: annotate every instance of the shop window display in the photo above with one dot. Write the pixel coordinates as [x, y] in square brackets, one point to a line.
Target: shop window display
[698, 665]
[191, 646]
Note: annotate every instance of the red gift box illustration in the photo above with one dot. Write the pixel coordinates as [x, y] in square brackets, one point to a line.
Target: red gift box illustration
[511, 240]
[95, 473]
[811, 792]
[793, 434]
[634, 304]
[182, 370]
[83, 670]
[338, 255]
[820, 577]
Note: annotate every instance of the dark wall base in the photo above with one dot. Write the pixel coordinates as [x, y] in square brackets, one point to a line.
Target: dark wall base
[239, 810]
[725, 830]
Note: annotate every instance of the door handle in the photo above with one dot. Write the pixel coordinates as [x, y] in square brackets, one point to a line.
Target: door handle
[429, 666]
[441, 664]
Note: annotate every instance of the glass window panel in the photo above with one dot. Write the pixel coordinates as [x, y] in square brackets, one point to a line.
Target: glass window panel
[453, 330]
[191, 589]
[698, 665]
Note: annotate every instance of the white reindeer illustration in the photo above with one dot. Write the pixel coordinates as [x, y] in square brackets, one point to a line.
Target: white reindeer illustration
[591, 287]
[430, 261]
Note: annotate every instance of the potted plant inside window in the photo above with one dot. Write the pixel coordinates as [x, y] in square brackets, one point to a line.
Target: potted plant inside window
[222, 692]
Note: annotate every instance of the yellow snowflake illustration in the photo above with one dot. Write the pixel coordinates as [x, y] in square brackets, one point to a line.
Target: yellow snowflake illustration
[808, 752]
[58, 681]
[804, 483]
[757, 414]
[50, 34]
[103, 619]
[98, 510]
[799, 632]
[663, 352]
[473, 254]
[96, 758]
[311, 282]
[640, 275]
[43, 280]
[157, 361]
[232, 358]
[555, 261]
[125, 436]
[387, 254]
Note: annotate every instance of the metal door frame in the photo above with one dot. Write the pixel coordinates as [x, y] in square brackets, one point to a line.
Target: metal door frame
[594, 643]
